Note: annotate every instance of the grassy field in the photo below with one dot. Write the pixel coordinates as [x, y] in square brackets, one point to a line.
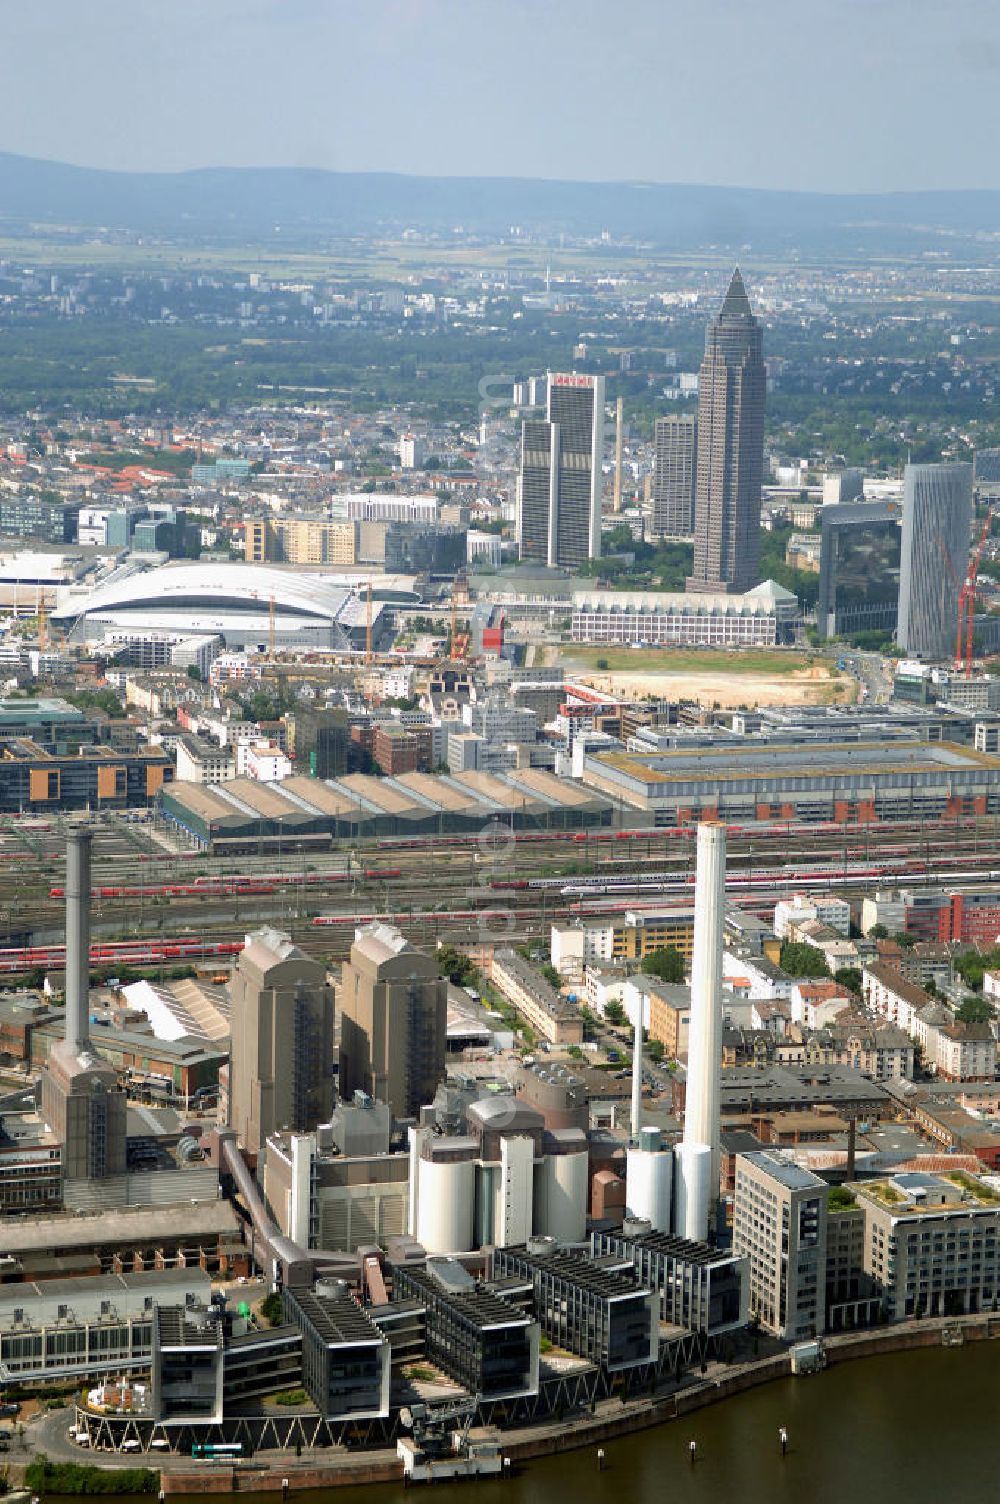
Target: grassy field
[756, 661]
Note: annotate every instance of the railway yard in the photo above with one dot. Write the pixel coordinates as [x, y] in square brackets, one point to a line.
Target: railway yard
[192, 907]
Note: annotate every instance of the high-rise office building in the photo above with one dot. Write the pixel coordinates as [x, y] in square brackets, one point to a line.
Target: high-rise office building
[937, 518]
[281, 1063]
[730, 465]
[560, 484]
[392, 1021]
[779, 1226]
[674, 473]
[859, 568]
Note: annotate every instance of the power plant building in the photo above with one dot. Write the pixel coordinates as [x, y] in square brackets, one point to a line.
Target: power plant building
[281, 1066]
[82, 1102]
[393, 1028]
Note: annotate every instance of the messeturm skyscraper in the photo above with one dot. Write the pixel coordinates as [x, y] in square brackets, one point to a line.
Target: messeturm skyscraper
[730, 449]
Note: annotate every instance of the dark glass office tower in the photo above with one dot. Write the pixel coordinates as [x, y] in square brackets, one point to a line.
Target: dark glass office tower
[730, 450]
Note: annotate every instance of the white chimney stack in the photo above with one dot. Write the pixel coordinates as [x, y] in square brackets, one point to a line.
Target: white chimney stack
[701, 1114]
[637, 1074]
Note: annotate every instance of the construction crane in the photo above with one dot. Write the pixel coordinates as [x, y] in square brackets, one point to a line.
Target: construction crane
[368, 625]
[967, 602]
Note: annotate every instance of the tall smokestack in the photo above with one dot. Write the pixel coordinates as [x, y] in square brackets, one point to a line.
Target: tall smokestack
[701, 1118]
[637, 1074]
[78, 939]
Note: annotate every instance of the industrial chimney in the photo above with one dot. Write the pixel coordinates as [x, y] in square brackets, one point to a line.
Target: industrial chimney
[637, 1074]
[78, 939]
[698, 1159]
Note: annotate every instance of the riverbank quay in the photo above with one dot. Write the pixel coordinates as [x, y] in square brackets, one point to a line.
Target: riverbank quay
[280, 1473]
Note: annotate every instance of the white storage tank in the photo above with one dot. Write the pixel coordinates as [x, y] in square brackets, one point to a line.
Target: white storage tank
[562, 1191]
[445, 1198]
[693, 1191]
[649, 1180]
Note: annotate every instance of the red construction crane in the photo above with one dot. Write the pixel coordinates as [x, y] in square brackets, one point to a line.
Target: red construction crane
[967, 602]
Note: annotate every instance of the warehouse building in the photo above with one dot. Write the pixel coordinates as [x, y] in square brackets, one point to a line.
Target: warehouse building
[187, 1235]
[905, 780]
[302, 813]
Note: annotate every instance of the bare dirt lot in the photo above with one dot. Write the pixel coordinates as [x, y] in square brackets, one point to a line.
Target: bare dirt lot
[725, 679]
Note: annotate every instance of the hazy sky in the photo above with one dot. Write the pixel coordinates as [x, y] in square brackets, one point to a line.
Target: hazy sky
[825, 94]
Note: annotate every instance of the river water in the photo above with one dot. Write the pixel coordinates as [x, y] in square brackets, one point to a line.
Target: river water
[919, 1427]
[908, 1428]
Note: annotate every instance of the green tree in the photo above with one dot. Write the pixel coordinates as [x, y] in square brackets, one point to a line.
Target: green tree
[614, 1013]
[974, 1010]
[801, 960]
[271, 1309]
[667, 963]
[849, 977]
[455, 965]
[878, 932]
[655, 1051]
[551, 976]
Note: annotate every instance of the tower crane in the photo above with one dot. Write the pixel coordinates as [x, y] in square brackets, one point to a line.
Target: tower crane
[967, 601]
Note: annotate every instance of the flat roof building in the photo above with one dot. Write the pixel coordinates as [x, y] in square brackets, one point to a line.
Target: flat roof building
[346, 1360]
[482, 1342]
[931, 1243]
[702, 1289]
[605, 1315]
[779, 1227]
[890, 780]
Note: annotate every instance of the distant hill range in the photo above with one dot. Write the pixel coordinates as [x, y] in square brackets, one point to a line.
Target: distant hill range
[294, 203]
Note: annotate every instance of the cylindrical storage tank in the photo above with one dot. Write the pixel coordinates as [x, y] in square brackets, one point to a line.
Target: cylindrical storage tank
[693, 1193]
[565, 1191]
[648, 1183]
[333, 1289]
[445, 1204]
[636, 1227]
